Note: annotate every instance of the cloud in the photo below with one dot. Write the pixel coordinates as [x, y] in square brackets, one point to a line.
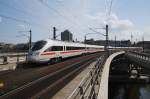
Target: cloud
[147, 29]
[78, 16]
[120, 24]
[120, 27]
[113, 21]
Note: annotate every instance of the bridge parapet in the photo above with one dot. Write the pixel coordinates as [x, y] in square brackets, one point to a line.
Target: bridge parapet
[142, 59]
[103, 89]
[95, 84]
[86, 88]
[6, 58]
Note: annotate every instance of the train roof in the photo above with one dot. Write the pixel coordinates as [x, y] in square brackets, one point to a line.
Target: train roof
[123, 47]
[60, 43]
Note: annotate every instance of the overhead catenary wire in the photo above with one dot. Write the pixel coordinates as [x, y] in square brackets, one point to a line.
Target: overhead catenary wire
[109, 11]
[106, 7]
[53, 9]
[110, 7]
[97, 32]
[75, 18]
[16, 9]
[21, 20]
[15, 19]
[59, 13]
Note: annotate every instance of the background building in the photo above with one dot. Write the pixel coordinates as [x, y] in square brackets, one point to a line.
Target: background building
[122, 43]
[145, 45]
[66, 36]
[8, 47]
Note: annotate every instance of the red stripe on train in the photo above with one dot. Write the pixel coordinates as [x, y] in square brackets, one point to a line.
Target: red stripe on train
[48, 53]
[67, 52]
[70, 52]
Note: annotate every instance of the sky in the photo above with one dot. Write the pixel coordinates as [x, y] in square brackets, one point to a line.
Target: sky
[126, 18]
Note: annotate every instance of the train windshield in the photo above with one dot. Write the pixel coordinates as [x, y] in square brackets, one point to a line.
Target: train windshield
[38, 45]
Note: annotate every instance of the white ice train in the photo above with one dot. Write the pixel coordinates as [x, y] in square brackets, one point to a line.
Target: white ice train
[49, 50]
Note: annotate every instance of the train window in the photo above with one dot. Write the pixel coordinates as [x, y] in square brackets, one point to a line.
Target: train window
[77, 48]
[57, 48]
[69, 48]
[74, 48]
[82, 47]
[38, 45]
[88, 48]
[47, 50]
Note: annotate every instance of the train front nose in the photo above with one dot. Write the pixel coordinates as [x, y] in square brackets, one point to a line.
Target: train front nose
[32, 56]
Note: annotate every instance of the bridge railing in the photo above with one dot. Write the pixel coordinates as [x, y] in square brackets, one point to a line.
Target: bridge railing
[142, 59]
[12, 57]
[143, 56]
[86, 88]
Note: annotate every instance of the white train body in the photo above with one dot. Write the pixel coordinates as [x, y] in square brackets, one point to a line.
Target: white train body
[47, 50]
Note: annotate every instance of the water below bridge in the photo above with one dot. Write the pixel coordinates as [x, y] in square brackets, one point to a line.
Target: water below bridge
[125, 82]
[131, 91]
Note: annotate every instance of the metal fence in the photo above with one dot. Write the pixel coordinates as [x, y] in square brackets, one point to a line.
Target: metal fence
[142, 59]
[88, 87]
[143, 56]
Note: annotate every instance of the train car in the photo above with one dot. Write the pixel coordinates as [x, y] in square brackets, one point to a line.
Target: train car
[48, 50]
[139, 49]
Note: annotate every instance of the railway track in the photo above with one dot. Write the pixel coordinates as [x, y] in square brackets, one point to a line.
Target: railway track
[20, 77]
[49, 84]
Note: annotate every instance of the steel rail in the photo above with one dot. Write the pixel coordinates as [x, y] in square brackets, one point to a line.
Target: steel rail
[46, 92]
[19, 91]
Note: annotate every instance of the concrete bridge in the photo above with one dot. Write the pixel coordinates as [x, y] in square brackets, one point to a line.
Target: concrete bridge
[121, 67]
[95, 84]
[103, 90]
[134, 68]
